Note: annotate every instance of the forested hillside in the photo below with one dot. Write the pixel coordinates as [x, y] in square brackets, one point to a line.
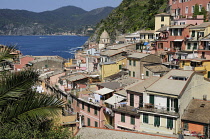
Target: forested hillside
[64, 19]
[130, 16]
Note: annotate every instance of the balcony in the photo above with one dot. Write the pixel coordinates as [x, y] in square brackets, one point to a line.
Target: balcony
[152, 109]
[127, 110]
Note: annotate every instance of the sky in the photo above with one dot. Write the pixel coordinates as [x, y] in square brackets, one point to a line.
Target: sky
[47, 5]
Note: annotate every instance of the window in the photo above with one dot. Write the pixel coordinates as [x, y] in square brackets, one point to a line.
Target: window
[150, 36]
[145, 118]
[88, 107]
[105, 59]
[157, 121]
[162, 25]
[176, 32]
[120, 67]
[142, 36]
[185, 126]
[134, 63]
[134, 74]
[160, 45]
[88, 119]
[131, 99]
[200, 7]
[130, 62]
[193, 8]
[209, 74]
[186, 10]
[188, 46]
[208, 7]
[129, 73]
[162, 18]
[152, 99]
[83, 106]
[122, 117]
[147, 73]
[169, 123]
[133, 120]
[96, 124]
[193, 34]
[195, 46]
[95, 110]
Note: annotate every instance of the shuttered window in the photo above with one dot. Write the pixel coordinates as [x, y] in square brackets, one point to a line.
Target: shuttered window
[130, 62]
[122, 117]
[169, 123]
[131, 99]
[208, 74]
[168, 103]
[95, 111]
[133, 120]
[152, 99]
[157, 121]
[176, 107]
[147, 73]
[83, 105]
[88, 107]
[96, 124]
[88, 119]
[145, 118]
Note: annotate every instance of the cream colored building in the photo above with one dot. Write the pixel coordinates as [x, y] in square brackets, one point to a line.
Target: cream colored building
[161, 20]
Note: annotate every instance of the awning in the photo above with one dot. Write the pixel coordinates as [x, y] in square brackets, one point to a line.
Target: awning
[196, 61]
[146, 43]
[178, 40]
[104, 91]
[114, 99]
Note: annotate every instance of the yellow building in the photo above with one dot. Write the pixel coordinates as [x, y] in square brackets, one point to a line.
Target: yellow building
[161, 20]
[199, 65]
[110, 68]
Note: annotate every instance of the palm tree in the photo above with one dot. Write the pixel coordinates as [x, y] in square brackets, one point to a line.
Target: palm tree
[20, 104]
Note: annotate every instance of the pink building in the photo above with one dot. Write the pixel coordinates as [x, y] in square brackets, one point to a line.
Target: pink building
[171, 40]
[185, 8]
[23, 62]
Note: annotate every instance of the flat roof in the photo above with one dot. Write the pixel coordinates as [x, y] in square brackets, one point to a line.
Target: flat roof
[104, 91]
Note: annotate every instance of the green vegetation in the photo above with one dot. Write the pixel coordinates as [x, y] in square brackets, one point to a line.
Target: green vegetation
[25, 113]
[202, 12]
[130, 16]
[65, 19]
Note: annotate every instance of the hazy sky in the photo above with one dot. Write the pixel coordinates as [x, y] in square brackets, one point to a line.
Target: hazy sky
[44, 5]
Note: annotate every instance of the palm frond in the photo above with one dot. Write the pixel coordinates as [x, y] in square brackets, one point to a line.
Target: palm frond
[32, 108]
[5, 52]
[16, 84]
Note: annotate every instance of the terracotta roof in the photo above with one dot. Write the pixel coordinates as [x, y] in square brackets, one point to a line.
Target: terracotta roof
[111, 52]
[140, 87]
[157, 68]
[197, 111]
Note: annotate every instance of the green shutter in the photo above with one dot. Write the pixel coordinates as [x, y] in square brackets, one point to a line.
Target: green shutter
[133, 120]
[134, 74]
[134, 63]
[168, 103]
[131, 99]
[130, 62]
[120, 67]
[88, 119]
[129, 73]
[169, 122]
[193, 33]
[95, 111]
[188, 46]
[122, 117]
[147, 73]
[157, 121]
[208, 74]
[152, 99]
[96, 124]
[176, 105]
[145, 118]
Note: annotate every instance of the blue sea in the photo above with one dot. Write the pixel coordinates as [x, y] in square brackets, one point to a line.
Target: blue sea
[63, 46]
